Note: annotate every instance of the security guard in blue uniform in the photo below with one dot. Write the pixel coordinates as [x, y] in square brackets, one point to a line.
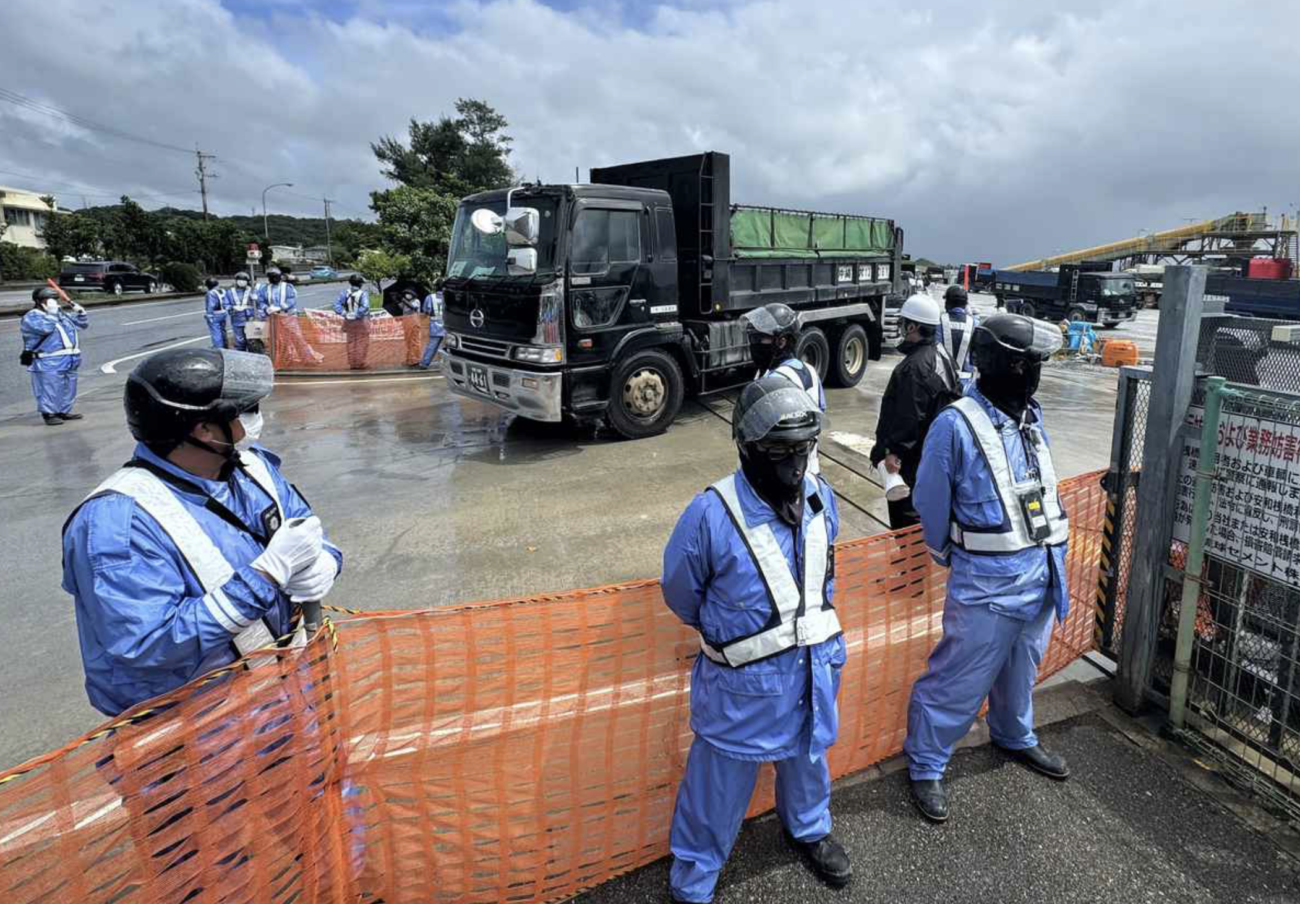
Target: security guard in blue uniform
[214, 312]
[986, 492]
[957, 326]
[750, 567]
[52, 354]
[195, 552]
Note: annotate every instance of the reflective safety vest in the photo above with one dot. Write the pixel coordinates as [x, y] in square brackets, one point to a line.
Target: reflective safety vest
[353, 302]
[804, 378]
[801, 614]
[70, 344]
[1014, 534]
[152, 494]
[961, 351]
[243, 300]
[271, 291]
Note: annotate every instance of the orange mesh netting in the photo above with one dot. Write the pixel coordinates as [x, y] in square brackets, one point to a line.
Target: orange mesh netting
[518, 750]
[324, 341]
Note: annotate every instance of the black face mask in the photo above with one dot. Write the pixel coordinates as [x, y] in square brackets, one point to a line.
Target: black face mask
[1009, 390]
[779, 483]
[762, 354]
[273, 278]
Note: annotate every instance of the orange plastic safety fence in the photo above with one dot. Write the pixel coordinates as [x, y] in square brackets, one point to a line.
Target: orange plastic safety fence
[520, 750]
[322, 341]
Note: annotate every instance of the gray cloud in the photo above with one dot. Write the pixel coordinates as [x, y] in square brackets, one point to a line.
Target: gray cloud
[986, 130]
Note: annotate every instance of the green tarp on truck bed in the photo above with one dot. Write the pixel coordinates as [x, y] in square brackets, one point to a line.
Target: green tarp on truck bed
[766, 232]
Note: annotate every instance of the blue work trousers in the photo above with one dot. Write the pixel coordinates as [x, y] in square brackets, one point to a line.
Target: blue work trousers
[982, 654]
[430, 350]
[217, 330]
[711, 804]
[55, 390]
[237, 331]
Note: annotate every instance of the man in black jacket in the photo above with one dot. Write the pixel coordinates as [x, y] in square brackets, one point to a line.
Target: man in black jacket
[921, 386]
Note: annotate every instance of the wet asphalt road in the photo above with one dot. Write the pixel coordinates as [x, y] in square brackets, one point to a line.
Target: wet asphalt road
[1124, 828]
[434, 499]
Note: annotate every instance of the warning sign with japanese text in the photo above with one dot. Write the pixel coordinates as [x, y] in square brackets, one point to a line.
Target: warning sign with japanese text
[1255, 505]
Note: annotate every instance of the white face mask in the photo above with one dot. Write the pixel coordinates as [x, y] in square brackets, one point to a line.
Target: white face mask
[241, 283]
[51, 306]
[252, 424]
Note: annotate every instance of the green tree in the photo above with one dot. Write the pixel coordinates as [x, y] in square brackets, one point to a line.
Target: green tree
[71, 235]
[454, 156]
[415, 223]
[376, 266]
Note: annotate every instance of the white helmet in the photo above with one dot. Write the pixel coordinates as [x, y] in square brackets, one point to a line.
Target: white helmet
[920, 309]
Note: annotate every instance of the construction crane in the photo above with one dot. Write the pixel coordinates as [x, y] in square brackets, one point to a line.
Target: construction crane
[1237, 235]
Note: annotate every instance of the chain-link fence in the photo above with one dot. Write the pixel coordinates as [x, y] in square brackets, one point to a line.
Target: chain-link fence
[1244, 679]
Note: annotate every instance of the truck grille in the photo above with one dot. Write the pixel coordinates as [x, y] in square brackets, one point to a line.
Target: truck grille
[479, 346]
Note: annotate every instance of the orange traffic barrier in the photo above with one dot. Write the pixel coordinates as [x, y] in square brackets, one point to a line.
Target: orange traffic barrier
[1119, 353]
[519, 750]
[322, 341]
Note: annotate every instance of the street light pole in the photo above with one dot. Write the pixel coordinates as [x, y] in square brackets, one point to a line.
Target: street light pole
[266, 229]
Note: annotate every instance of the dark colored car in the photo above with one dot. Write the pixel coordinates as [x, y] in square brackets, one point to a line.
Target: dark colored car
[110, 276]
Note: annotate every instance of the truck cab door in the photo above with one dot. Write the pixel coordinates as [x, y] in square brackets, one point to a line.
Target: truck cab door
[605, 266]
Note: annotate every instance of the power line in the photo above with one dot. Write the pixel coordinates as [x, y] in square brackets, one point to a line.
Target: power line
[36, 106]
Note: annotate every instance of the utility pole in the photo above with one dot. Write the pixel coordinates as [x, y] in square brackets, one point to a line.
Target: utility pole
[329, 247]
[202, 172]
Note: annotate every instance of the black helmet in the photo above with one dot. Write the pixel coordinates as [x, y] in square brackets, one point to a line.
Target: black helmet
[772, 408]
[171, 391]
[773, 320]
[954, 297]
[1003, 339]
[273, 274]
[211, 282]
[42, 294]
[357, 280]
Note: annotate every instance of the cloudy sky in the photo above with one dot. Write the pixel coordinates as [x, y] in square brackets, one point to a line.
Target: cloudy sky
[989, 129]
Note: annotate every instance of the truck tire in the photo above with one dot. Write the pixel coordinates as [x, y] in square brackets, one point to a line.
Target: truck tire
[1076, 313]
[645, 394]
[814, 349]
[849, 362]
[1027, 309]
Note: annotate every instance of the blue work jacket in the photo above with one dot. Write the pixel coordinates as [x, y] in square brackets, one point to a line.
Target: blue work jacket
[144, 622]
[234, 296]
[960, 315]
[214, 306]
[775, 708]
[363, 307]
[40, 331]
[284, 296]
[432, 305]
[954, 483]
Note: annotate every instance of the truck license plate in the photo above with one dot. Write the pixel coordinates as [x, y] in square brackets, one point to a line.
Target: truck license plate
[478, 379]
[78, 279]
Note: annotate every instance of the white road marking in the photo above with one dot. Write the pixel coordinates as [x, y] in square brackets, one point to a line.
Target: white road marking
[355, 380]
[111, 366]
[167, 317]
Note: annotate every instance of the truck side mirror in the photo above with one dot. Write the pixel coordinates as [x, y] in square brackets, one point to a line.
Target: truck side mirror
[521, 261]
[522, 225]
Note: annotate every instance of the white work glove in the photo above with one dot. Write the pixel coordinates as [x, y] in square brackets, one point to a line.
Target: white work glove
[314, 581]
[295, 547]
[274, 309]
[78, 308]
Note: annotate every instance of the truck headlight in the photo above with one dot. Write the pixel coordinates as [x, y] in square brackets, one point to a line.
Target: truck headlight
[537, 355]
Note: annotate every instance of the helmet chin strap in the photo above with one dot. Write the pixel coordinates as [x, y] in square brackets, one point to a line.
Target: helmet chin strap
[230, 453]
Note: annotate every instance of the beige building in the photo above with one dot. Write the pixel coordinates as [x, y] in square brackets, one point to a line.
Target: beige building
[24, 213]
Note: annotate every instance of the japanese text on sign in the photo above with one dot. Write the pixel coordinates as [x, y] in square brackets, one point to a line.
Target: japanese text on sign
[1255, 505]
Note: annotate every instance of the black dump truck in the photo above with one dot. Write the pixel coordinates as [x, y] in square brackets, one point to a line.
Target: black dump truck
[1075, 292]
[1276, 299]
[615, 300]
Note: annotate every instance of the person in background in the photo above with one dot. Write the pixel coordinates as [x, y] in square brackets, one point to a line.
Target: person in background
[214, 312]
[987, 496]
[750, 566]
[52, 354]
[354, 305]
[407, 311]
[772, 333]
[432, 306]
[278, 296]
[922, 384]
[241, 302]
[956, 327]
[195, 552]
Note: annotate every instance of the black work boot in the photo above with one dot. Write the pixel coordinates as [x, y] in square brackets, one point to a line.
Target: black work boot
[1052, 765]
[826, 857]
[69, 416]
[52, 420]
[930, 798]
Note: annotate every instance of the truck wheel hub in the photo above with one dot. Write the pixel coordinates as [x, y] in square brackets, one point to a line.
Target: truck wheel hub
[643, 393]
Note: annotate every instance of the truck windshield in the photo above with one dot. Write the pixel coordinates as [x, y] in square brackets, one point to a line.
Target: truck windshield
[473, 254]
[1117, 287]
